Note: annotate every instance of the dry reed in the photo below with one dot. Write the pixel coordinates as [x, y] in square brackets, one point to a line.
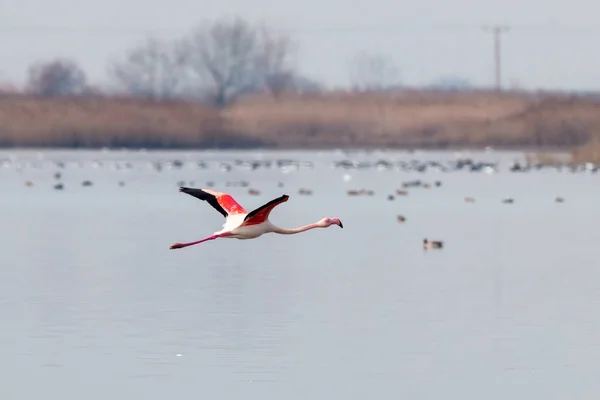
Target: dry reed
[408, 119]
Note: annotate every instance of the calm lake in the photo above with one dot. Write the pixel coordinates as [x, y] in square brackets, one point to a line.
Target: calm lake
[94, 305]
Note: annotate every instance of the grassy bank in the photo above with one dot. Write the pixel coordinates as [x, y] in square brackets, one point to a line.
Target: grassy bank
[586, 153]
[115, 122]
[409, 119]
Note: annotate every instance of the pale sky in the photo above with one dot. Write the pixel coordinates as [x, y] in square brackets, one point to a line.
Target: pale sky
[552, 44]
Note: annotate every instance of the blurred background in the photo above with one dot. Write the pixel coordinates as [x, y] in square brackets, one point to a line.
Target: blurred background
[425, 44]
[236, 74]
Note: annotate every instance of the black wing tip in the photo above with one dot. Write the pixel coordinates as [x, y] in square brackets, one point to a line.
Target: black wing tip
[195, 192]
[204, 196]
[281, 199]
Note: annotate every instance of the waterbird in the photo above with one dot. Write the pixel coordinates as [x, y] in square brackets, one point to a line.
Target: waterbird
[253, 192]
[432, 244]
[360, 192]
[241, 224]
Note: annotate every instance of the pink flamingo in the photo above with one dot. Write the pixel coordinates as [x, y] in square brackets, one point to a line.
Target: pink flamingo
[240, 224]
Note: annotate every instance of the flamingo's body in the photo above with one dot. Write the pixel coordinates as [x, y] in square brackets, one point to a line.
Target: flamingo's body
[241, 224]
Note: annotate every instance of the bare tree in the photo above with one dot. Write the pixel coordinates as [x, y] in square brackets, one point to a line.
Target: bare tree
[276, 60]
[373, 72]
[153, 69]
[56, 78]
[231, 57]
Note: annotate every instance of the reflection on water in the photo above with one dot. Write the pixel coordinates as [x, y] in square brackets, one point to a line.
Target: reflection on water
[95, 306]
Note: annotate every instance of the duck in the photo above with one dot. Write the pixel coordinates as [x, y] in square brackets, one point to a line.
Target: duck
[432, 244]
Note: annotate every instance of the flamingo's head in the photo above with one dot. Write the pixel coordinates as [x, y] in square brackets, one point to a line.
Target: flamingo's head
[327, 222]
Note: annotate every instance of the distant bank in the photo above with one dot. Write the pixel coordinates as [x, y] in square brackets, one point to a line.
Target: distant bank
[411, 119]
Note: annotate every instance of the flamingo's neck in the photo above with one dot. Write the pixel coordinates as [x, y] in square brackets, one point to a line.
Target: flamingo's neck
[284, 231]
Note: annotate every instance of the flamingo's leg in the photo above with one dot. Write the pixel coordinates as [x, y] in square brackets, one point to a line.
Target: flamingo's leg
[212, 237]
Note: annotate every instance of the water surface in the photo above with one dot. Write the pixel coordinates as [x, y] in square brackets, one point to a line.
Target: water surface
[94, 305]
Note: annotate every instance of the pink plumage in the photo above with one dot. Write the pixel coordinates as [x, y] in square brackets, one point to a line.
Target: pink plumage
[240, 224]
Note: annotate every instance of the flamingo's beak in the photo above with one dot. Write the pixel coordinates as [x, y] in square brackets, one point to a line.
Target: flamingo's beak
[340, 224]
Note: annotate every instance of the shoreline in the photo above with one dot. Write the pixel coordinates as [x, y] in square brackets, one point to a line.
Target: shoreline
[403, 121]
[446, 150]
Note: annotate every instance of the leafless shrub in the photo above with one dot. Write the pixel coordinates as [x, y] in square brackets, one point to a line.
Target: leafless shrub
[56, 78]
[231, 57]
[151, 70]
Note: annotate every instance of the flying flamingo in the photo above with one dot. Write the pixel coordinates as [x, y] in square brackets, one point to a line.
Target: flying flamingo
[241, 224]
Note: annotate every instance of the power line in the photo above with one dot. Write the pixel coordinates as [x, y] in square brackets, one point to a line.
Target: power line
[397, 27]
[497, 31]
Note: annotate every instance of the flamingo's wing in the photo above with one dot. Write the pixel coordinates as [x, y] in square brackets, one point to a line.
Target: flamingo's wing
[222, 202]
[261, 214]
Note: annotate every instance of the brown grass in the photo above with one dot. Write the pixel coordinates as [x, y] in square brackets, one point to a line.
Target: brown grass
[587, 153]
[546, 158]
[408, 119]
[97, 121]
[371, 120]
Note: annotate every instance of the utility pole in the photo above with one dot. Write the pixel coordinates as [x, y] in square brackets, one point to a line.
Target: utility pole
[497, 31]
